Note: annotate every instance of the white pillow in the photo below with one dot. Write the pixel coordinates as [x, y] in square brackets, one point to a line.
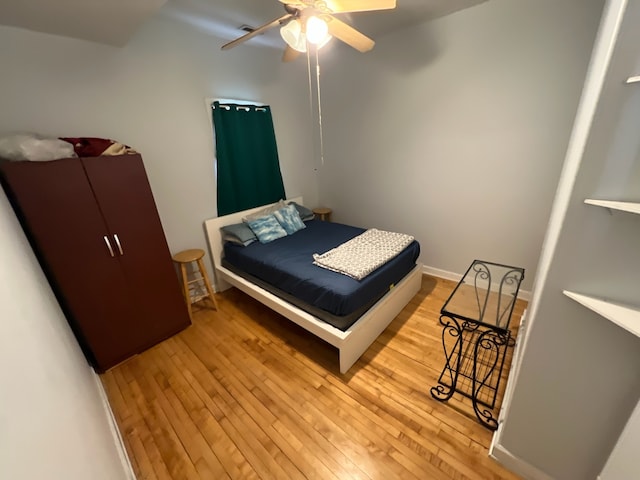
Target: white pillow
[265, 211]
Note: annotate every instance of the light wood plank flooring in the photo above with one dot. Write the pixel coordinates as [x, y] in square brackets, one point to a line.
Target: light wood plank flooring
[245, 394]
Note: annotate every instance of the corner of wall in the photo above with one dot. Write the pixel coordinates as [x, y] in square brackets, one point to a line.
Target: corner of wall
[513, 463]
[115, 431]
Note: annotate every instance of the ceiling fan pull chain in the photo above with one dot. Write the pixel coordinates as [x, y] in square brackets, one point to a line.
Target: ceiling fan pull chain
[319, 109]
[311, 112]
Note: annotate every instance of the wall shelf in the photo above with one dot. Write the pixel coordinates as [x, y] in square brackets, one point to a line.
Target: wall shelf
[631, 207]
[625, 316]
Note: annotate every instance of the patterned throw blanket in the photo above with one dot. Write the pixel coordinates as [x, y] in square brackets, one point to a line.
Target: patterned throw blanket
[363, 254]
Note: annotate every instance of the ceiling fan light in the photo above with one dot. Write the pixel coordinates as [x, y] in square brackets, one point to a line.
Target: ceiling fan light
[292, 34]
[317, 30]
[325, 41]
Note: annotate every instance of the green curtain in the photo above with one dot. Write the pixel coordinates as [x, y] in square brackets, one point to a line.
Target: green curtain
[248, 169]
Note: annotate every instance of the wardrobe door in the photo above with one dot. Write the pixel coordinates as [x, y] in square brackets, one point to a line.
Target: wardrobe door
[60, 215]
[121, 186]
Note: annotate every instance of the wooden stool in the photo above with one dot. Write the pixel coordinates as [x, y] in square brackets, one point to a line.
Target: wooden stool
[324, 213]
[194, 290]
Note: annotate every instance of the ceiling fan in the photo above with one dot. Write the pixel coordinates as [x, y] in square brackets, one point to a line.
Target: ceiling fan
[313, 21]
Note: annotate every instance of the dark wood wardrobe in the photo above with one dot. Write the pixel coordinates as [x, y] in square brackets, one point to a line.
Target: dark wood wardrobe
[95, 229]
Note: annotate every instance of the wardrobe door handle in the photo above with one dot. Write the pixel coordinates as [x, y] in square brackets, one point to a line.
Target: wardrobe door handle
[115, 237]
[106, 240]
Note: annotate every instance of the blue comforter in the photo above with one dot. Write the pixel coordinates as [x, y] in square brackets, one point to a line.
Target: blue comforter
[287, 264]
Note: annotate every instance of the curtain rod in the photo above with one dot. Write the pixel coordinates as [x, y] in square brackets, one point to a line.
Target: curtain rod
[239, 107]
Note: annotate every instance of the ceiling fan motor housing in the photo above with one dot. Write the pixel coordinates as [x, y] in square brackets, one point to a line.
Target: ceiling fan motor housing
[301, 10]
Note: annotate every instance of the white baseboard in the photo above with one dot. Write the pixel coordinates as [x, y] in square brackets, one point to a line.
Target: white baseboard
[514, 369]
[117, 437]
[436, 272]
[515, 464]
[456, 277]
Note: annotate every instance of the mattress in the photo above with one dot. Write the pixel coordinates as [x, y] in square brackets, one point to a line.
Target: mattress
[285, 267]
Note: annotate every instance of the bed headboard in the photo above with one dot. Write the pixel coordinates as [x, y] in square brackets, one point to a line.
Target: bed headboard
[212, 228]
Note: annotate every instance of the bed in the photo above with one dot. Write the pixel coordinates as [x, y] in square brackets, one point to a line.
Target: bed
[349, 325]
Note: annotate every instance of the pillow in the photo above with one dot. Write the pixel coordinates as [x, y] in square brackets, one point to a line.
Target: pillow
[265, 211]
[238, 233]
[289, 218]
[267, 228]
[304, 212]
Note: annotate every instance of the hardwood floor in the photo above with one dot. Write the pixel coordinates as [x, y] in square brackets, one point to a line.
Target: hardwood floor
[245, 394]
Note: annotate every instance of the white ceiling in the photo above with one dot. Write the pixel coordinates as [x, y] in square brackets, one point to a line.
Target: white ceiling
[224, 18]
[114, 22]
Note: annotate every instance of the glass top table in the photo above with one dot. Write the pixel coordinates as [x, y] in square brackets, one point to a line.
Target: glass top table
[486, 294]
[476, 335]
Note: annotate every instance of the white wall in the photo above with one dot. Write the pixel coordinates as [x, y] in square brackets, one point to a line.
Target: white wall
[52, 422]
[456, 130]
[150, 95]
[578, 379]
[623, 462]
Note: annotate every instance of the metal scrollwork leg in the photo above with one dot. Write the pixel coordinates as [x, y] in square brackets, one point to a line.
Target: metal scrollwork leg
[485, 358]
[452, 330]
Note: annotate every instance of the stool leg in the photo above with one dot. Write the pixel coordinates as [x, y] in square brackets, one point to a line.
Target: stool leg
[185, 288]
[203, 272]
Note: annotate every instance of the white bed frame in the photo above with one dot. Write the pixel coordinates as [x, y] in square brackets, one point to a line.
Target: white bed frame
[351, 343]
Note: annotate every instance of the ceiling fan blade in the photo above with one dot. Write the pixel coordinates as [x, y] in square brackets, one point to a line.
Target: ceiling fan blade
[344, 6]
[349, 35]
[290, 54]
[257, 31]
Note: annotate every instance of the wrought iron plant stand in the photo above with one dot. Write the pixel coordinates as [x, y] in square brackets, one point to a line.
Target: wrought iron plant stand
[476, 336]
